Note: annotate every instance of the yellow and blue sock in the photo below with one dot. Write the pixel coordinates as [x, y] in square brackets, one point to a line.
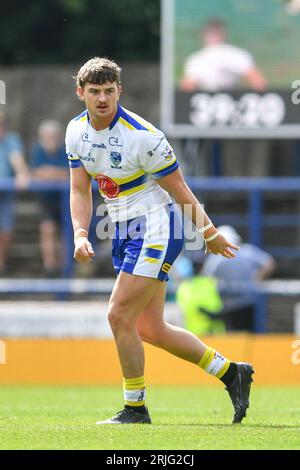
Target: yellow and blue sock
[135, 394]
[215, 364]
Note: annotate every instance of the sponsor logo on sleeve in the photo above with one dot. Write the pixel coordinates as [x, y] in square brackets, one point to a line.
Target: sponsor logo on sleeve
[167, 153]
[151, 152]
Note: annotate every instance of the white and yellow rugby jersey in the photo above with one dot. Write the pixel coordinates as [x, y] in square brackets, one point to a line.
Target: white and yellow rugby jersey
[124, 159]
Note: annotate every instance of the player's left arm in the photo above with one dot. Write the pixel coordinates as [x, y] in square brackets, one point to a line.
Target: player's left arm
[175, 184]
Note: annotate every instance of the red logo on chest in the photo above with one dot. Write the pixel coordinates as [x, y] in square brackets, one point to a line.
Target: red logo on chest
[108, 186]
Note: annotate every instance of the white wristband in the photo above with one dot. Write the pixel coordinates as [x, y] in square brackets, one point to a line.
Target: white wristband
[203, 229]
[210, 239]
[79, 239]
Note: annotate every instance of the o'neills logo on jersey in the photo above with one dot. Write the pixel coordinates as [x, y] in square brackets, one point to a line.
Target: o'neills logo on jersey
[108, 186]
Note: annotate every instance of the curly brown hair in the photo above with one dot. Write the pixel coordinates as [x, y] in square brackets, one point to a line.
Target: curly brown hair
[98, 71]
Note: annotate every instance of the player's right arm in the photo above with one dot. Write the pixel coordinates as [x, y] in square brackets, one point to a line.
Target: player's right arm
[81, 207]
[81, 204]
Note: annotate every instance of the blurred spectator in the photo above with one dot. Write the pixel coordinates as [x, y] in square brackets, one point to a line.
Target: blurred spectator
[200, 303]
[293, 7]
[219, 65]
[250, 264]
[197, 297]
[12, 163]
[49, 163]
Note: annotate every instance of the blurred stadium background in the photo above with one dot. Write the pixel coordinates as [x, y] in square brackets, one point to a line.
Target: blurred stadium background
[53, 328]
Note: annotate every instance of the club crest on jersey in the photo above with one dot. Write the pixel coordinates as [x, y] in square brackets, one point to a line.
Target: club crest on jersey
[115, 158]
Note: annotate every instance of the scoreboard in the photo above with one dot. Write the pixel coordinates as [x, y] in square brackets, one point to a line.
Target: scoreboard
[270, 33]
[236, 114]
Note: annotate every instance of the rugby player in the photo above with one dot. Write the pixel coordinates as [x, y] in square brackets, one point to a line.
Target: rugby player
[137, 171]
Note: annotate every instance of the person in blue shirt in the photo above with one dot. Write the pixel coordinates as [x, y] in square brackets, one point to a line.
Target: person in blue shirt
[49, 164]
[12, 165]
[250, 264]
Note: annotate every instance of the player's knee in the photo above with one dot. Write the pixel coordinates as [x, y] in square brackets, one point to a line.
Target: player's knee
[119, 319]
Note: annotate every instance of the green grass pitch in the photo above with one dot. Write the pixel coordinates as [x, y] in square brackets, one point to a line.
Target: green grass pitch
[183, 418]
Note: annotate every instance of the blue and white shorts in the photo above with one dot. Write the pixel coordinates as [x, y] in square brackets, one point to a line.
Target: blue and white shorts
[148, 245]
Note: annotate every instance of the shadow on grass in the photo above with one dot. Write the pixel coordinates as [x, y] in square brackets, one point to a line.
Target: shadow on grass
[238, 426]
[163, 425]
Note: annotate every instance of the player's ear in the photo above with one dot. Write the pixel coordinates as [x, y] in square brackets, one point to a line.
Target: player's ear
[80, 93]
[120, 89]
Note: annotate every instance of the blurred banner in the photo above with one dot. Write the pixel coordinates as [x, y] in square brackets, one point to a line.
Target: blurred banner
[57, 319]
[230, 68]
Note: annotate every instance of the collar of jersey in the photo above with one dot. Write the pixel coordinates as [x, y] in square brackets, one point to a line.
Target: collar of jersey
[112, 124]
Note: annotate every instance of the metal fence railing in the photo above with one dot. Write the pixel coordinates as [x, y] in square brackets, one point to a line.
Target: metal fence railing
[255, 219]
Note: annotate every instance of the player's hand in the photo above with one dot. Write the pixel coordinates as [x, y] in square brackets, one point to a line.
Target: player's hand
[220, 246]
[83, 252]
